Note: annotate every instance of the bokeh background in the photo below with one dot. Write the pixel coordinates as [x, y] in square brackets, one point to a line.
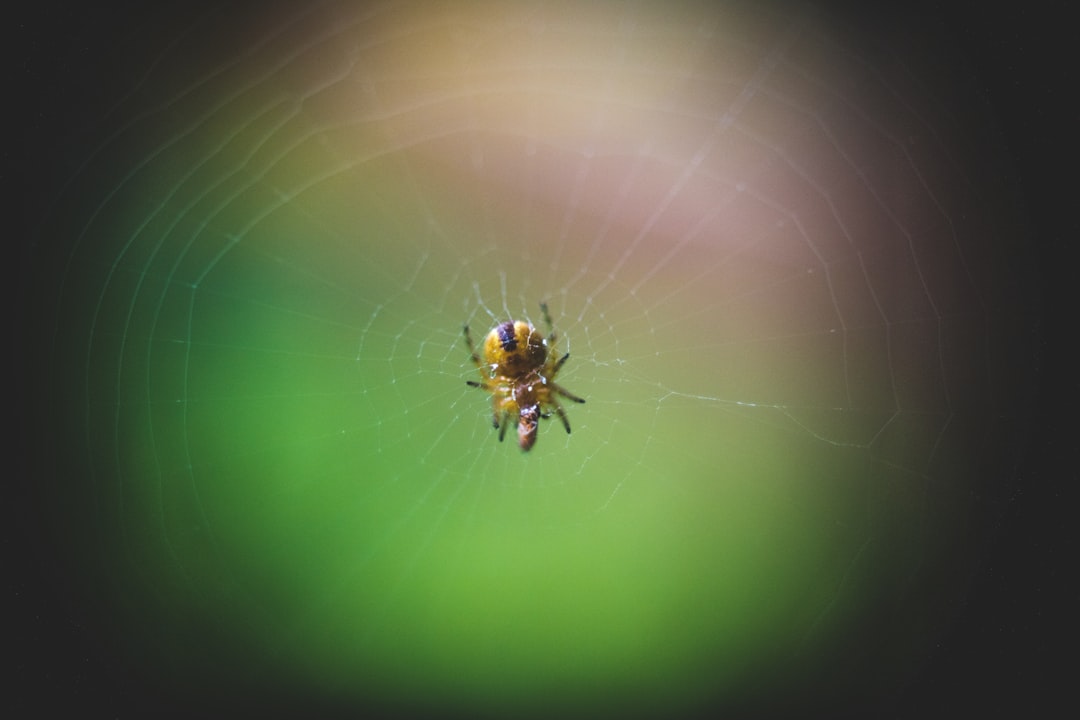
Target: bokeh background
[788, 250]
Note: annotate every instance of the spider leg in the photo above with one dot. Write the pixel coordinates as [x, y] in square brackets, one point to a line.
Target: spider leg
[503, 425]
[559, 364]
[562, 415]
[547, 321]
[566, 393]
[498, 416]
[472, 348]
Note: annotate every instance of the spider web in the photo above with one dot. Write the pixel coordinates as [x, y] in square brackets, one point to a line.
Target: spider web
[776, 246]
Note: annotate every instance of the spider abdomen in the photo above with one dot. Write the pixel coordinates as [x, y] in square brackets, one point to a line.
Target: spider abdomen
[513, 350]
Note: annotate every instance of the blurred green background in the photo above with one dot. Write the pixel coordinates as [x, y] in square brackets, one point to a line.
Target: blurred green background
[791, 299]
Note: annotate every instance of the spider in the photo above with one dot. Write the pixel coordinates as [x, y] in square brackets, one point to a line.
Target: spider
[519, 369]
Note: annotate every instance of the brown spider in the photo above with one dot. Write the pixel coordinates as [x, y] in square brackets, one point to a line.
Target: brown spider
[519, 369]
